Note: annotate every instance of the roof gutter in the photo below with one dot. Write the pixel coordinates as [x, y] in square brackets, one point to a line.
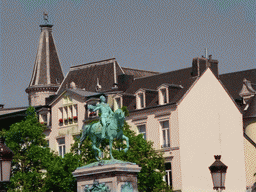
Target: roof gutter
[249, 139]
[157, 106]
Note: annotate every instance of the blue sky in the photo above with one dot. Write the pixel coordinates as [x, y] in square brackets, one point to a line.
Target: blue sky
[146, 34]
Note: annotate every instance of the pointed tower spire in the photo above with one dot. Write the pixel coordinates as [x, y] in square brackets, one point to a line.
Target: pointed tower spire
[47, 73]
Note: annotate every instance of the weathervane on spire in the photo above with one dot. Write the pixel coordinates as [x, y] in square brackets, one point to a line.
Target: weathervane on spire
[46, 17]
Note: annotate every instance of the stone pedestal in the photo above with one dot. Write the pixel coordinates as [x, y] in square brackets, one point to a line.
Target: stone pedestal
[117, 175]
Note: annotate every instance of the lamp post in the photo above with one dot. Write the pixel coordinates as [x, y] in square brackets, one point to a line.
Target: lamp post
[6, 155]
[218, 172]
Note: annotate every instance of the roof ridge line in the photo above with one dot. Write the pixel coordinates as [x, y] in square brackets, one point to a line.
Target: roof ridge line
[238, 71]
[91, 63]
[3, 109]
[163, 73]
[141, 70]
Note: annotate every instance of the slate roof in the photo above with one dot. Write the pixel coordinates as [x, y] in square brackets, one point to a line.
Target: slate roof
[4, 111]
[81, 92]
[85, 75]
[179, 77]
[47, 69]
[137, 73]
[234, 81]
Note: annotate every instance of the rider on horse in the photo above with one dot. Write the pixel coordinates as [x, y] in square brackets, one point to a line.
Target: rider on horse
[105, 111]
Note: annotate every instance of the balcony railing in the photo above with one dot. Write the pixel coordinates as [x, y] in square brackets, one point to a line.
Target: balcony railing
[92, 114]
[67, 121]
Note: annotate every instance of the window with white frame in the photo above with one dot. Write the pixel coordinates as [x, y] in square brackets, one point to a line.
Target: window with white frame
[67, 115]
[61, 145]
[75, 113]
[142, 130]
[165, 134]
[163, 95]
[60, 115]
[70, 114]
[140, 100]
[168, 176]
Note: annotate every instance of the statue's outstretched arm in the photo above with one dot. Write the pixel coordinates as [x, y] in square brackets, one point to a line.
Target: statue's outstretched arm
[96, 108]
[91, 107]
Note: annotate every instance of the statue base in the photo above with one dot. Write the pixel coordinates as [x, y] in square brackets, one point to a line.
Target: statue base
[116, 175]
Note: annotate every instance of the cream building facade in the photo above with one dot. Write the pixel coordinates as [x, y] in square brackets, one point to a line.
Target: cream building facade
[206, 121]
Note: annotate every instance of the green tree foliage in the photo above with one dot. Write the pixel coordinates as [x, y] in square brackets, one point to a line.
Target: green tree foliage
[27, 142]
[59, 173]
[141, 152]
[34, 166]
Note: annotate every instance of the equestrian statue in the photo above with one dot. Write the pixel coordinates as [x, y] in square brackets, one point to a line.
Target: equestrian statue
[109, 127]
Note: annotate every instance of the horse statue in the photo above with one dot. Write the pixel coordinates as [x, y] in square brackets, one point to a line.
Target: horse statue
[114, 129]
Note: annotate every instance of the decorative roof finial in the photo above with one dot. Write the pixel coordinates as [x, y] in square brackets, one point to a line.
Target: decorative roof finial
[45, 17]
[98, 86]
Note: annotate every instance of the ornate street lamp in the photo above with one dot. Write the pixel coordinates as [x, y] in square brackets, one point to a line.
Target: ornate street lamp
[6, 155]
[218, 172]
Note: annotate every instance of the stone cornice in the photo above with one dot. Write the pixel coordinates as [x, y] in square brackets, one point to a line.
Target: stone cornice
[43, 88]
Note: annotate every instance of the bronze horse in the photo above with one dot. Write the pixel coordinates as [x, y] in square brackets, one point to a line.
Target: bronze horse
[114, 129]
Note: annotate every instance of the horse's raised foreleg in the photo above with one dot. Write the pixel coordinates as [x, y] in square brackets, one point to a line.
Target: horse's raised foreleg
[127, 143]
[110, 147]
[96, 149]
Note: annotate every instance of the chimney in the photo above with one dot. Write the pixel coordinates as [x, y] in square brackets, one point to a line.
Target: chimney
[210, 58]
[214, 65]
[124, 81]
[199, 65]
[115, 83]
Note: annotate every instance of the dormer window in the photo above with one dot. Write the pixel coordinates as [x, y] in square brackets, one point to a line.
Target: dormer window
[140, 100]
[247, 91]
[117, 102]
[163, 94]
